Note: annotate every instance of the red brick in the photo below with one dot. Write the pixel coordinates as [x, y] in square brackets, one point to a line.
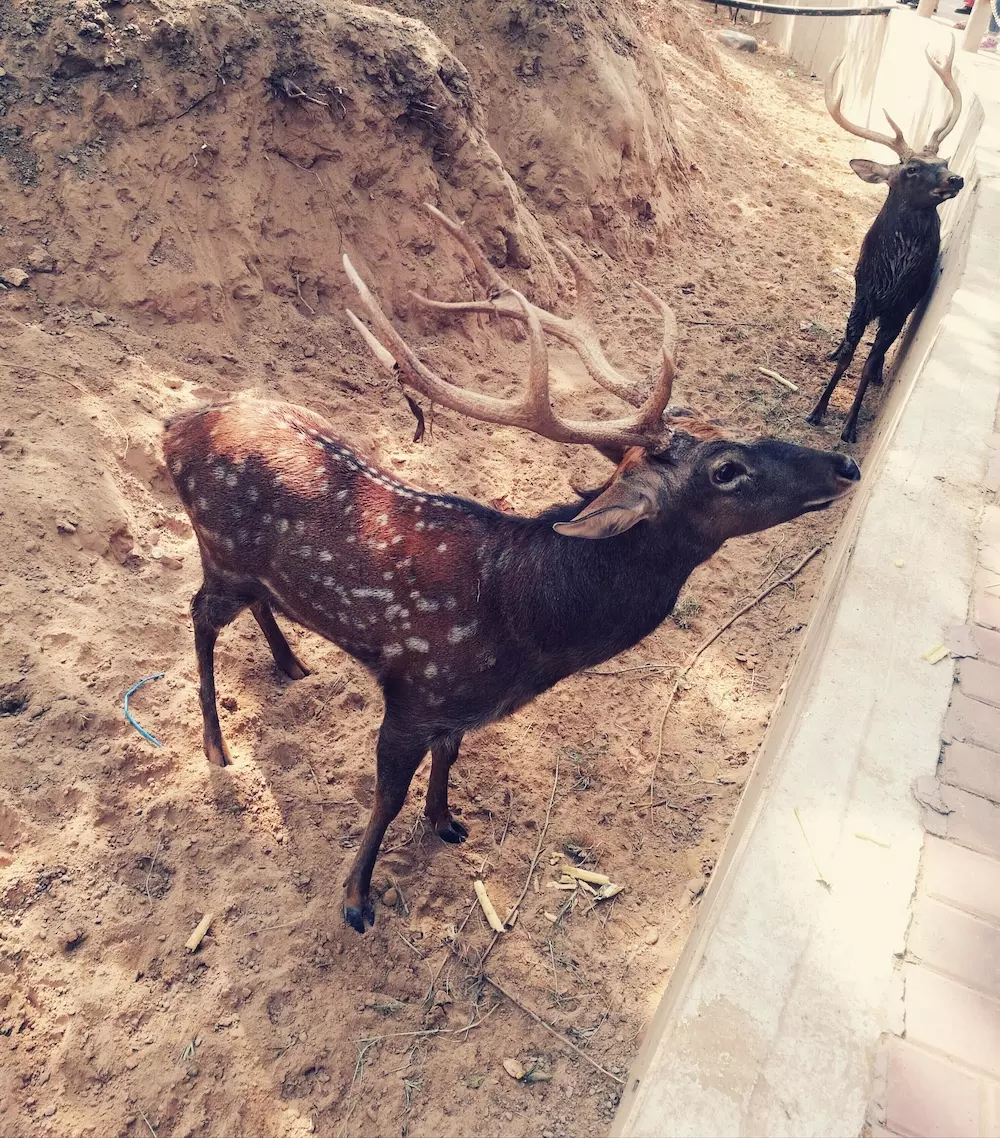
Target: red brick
[989, 539]
[963, 878]
[969, 721]
[956, 943]
[991, 1110]
[952, 1018]
[986, 592]
[964, 818]
[972, 768]
[988, 644]
[929, 1096]
[980, 680]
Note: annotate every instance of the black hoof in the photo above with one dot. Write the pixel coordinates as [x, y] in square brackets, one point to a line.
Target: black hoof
[454, 833]
[849, 435]
[877, 381]
[358, 917]
[815, 420]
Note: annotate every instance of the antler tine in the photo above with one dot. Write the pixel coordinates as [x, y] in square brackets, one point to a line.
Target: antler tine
[584, 285]
[578, 334]
[488, 276]
[898, 144]
[533, 409]
[944, 73]
[651, 411]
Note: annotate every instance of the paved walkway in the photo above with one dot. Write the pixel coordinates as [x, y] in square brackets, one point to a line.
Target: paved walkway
[940, 1076]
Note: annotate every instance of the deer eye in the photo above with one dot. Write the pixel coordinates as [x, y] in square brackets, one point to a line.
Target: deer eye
[728, 473]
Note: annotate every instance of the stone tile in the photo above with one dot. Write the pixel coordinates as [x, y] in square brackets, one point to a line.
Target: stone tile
[929, 1096]
[951, 1018]
[987, 642]
[962, 877]
[980, 680]
[961, 817]
[956, 943]
[972, 768]
[989, 539]
[986, 592]
[969, 721]
[991, 1110]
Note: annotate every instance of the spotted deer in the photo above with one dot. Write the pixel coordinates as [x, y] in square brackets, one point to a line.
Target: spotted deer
[899, 252]
[462, 613]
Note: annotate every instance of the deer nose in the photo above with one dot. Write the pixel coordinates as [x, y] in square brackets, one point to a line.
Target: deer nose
[956, 182]
[847, 468]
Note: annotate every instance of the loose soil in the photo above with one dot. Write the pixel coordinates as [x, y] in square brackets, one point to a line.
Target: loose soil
[181, 213]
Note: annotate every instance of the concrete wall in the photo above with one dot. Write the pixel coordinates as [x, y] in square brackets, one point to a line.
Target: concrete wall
[771, 1019]
[885, 68]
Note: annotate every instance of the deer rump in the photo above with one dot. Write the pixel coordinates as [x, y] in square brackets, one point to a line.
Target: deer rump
[464, 613]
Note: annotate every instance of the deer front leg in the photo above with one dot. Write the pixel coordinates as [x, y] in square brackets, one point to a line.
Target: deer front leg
[398, 757]
[444, 752]
[887, 333]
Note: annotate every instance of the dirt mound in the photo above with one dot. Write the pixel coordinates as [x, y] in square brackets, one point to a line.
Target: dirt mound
[180, 182]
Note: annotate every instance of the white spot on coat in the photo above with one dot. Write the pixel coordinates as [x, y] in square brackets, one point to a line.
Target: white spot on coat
[459, 632]
[418, 644]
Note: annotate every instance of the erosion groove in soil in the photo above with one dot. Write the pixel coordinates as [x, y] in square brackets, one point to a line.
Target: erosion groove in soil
[180, 182]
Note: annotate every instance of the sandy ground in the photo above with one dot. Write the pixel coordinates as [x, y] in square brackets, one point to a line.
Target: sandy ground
[111, 849]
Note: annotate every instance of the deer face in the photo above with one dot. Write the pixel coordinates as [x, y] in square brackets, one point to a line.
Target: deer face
[921, 183]
[721, 488]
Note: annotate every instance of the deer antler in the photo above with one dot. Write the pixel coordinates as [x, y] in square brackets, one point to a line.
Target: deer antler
[531, 410]
[948, 79]
[898, 144]
[578, 333]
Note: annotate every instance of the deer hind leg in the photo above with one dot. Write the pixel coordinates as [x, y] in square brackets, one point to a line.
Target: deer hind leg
[856, 324]
[281, 650]
[398, 756]
[871, 373]
[212, 608]
[444, 752]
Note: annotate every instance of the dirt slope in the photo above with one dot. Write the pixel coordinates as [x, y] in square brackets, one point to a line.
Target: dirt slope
[179, 183]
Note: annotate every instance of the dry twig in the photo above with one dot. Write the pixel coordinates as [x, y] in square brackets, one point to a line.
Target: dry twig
[707, 643]
[548, 1027]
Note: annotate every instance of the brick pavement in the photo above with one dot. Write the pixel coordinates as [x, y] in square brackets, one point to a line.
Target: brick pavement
[941, 1078]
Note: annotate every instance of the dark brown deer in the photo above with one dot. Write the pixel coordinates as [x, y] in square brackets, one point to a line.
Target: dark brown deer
[464, 614]
[900, 251]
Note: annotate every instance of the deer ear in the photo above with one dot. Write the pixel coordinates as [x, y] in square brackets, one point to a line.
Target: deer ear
[625, 503]
[869, 171]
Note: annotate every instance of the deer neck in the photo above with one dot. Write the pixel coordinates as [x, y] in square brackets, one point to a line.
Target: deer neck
[585, 601]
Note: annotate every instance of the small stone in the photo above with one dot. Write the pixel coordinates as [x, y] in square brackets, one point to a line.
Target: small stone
[3, 73]
[652, 936]
[390, 897]
[246, 993]
[64, 525]
[40, 260]
[695, 887]
[15, 277]
[38, 100]
[309, 351]
[98, 319]
[131, 1062]
[513, 1068]
[738, 40]
[192, 1072]
[72, 158]
[105, 749]
[169, 562]
[72, 937]
[31, 547]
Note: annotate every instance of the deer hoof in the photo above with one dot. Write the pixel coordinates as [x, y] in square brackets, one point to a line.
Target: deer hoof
[360, 916]
[849, 434]
[217, 754]
[296, 670]
[815, 419]
[454, 833]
